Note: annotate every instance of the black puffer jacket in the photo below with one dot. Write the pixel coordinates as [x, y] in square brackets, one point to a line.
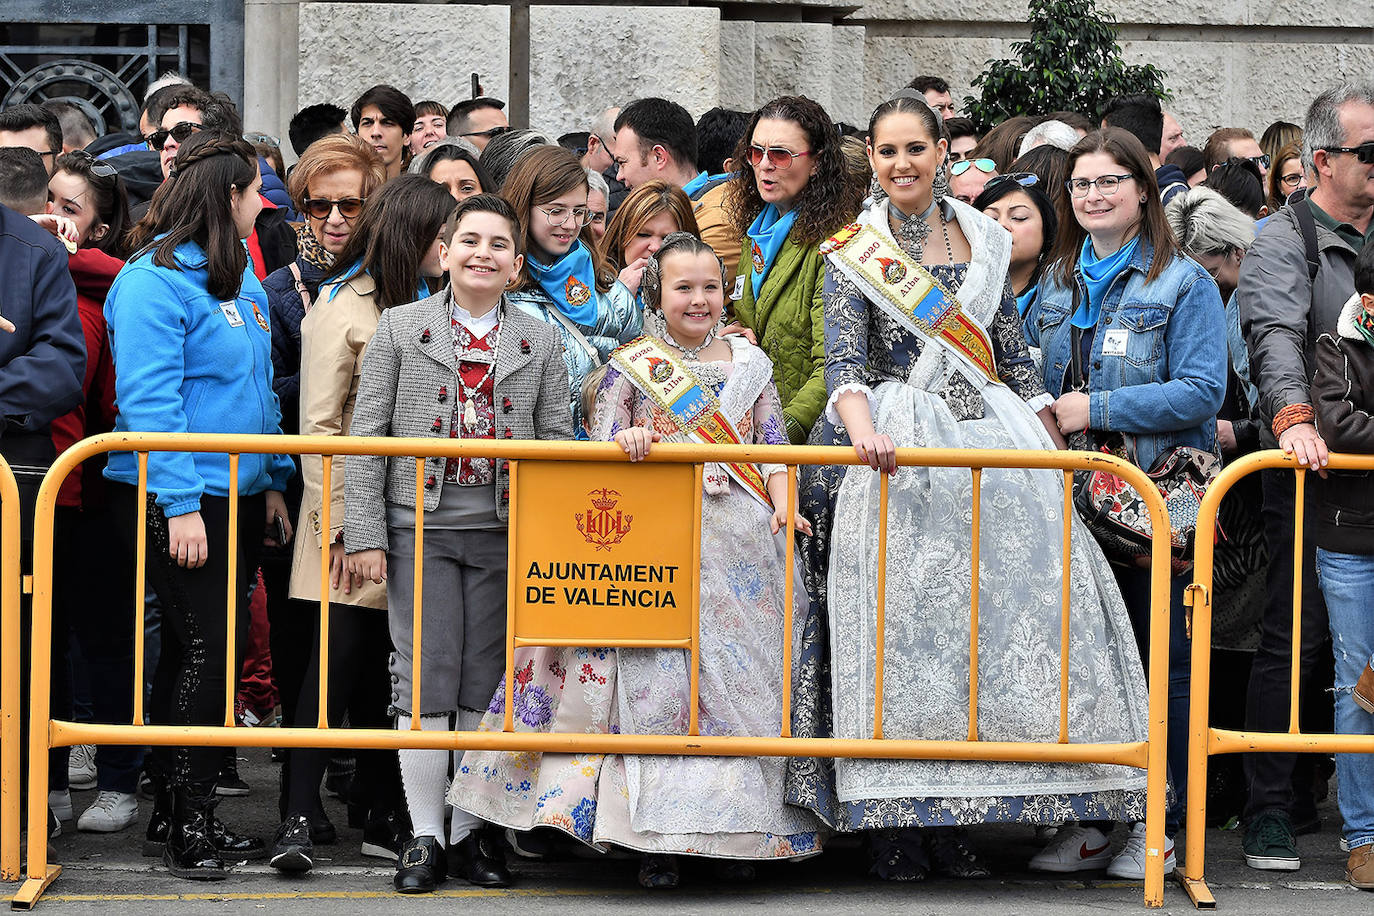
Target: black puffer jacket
[1343, 394]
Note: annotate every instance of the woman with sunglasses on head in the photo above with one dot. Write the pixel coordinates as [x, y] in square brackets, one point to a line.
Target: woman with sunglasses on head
[791, 191]
[1021, 207]
[565, 280]
[915, 266]
[391, 258]
[188, 328]
[649, 214]
[92, 196]
[1133, 341]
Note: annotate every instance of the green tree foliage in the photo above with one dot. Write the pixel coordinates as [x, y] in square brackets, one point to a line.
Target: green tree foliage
[1070, 63]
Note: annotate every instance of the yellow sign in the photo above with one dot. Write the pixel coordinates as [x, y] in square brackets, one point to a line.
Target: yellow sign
[603, 556]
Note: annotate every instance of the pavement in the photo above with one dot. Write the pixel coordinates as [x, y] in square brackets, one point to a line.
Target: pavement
[106, 874]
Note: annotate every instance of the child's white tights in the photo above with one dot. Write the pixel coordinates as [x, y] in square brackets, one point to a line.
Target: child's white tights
[424, 773]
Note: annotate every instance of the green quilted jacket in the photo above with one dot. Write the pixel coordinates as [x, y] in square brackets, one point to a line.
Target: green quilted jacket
[788, 319]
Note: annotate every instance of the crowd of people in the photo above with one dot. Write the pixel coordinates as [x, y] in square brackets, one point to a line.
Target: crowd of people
[1078, 280]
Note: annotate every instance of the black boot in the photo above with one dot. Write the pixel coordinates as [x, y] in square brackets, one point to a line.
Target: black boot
[190, 852]
[232, 846]
[161, 821]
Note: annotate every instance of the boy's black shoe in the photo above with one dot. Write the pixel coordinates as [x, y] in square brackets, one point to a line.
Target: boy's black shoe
[421, 866]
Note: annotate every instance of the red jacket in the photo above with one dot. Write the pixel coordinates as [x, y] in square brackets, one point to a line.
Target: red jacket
[92, 271]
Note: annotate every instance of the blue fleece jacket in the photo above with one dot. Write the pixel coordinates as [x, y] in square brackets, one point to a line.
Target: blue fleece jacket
[186, 362]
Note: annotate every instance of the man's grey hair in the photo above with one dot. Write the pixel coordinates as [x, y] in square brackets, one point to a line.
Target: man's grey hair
[1324, 128]
[604, 125]
[170, 78]
[1204, 222]
[1048, 133]
[597, 182]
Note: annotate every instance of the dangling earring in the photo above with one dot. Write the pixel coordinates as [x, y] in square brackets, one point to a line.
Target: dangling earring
[940, 187]
[875, 190]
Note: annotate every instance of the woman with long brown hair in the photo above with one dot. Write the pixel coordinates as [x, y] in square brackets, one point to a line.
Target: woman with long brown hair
[791, 192]
[649, 214]
[565, 280]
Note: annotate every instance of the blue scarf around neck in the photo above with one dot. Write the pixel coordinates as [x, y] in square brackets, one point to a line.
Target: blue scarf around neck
[1098, 274]
[696, 184]
[768, 233]
[570, 282]
[355, 269]
[1023, 301]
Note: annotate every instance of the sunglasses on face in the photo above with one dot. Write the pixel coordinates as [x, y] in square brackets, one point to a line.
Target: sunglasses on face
[158, 138]
[93, 165]
[778, 157]
[1364, 152]
[320, 207]
[490, 132]
[963, 165]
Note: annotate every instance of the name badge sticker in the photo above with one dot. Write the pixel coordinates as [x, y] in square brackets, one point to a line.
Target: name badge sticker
[1114, 342]
[738, 294]
[231, 314]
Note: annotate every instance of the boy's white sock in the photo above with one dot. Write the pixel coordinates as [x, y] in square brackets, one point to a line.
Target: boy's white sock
[425, 775]
[463, 823]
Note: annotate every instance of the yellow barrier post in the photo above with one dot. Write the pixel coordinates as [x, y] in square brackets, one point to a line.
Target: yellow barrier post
[533, 458]
[10, 780]
[1206, 740]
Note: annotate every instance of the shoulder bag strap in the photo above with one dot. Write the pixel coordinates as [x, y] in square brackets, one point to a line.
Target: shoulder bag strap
[300, 285]
[577, 334]
[1303, 212]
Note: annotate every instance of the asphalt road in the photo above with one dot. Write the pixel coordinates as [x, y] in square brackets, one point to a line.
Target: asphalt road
[105, 874]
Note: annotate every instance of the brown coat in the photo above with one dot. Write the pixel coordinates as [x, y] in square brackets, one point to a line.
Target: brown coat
[334, 336]
[717, 231]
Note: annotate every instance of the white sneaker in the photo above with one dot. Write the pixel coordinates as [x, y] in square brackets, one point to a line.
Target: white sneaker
[60, 803]
[1130, 862]
[111, 811]
[1074, 848]
[81, 767]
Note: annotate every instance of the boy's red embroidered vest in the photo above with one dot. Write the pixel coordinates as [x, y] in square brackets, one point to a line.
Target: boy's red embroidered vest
[473, 471]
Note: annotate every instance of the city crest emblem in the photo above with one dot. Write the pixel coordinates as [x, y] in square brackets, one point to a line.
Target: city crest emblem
[602, 525]
[660, 370]
[893, 271]
[577, 292]
[756, 255]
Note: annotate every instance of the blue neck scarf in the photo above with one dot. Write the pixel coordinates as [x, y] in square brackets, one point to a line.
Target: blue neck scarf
[696, 184]
[354, 269]
[768, 233]
[1023, 301]
[1098, 274]
[570, 282]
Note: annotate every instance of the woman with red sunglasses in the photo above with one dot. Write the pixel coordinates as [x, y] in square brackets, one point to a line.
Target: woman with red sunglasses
[791, 193]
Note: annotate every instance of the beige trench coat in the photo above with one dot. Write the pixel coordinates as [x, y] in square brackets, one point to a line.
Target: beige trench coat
[334, 335]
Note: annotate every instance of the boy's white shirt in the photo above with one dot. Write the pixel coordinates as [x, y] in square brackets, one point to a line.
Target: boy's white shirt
[479, 326]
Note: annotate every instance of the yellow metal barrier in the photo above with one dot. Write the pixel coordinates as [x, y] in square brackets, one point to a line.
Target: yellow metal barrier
[45, 732]
[1205, 741]
[11, 784]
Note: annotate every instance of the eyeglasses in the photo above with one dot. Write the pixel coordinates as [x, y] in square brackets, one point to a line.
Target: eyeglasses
[93, 165]
[265, 139]
[778, 157]
[489, 132]
[557, 216]
[158, 138]
[1024, 179]
[596, 217]
[1106, 184]
[1291, 181]
[963, 165]
[1364, 152]
[1262, 160]
[320, 207]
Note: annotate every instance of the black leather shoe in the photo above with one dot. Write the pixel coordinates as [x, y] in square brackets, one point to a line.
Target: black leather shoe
[235, 846]
[292, 850]
[479, 859]
[189, 853]
[160, 823]
[421, 866]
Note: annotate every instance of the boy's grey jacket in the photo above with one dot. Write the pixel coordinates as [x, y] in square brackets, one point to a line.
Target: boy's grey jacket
[408, 362]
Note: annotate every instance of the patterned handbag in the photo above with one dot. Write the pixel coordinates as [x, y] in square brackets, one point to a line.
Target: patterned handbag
[1116, 514]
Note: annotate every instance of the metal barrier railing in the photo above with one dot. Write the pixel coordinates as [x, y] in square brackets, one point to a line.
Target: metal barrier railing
[45, 732]
[11, 784]
[1205, 741]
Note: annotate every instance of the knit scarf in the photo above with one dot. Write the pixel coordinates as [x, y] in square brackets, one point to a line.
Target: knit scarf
[1098, 274]
[570, 282]
[768, 233]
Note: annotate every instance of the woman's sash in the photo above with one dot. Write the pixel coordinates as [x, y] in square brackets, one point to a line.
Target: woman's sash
[909, 293]
[691, 405]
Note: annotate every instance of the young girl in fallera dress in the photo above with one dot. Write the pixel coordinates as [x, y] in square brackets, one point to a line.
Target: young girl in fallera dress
[729, 809]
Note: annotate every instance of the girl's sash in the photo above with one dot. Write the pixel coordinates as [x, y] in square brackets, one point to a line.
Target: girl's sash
[692, 405]
[911, 294]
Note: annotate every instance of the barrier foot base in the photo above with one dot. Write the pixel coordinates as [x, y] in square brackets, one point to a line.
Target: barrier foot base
[33, 889]
[1197, 891]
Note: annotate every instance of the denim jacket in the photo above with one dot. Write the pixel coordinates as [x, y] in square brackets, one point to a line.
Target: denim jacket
[1157, 369]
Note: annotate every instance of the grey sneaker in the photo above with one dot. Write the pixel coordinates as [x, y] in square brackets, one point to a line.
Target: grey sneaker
[1269, 843]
